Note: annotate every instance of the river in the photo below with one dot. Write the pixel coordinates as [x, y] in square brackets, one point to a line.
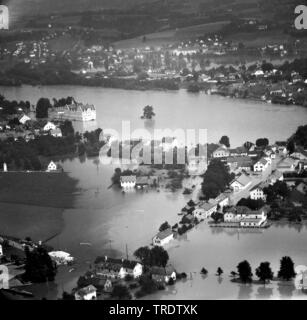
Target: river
[104, 221]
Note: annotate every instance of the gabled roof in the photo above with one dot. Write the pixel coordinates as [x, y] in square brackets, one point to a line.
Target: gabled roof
[164, 234]
[263, 161]
[128, 179]
[86, 290]
[167, 271]
[243, 179]
[286, 163]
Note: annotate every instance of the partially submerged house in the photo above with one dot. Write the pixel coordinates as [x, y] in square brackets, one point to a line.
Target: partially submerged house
[163, 275]
[245, 217]
[163, 237]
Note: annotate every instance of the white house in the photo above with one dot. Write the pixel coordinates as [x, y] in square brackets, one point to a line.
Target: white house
[241, 183]
[163, 237]
[257, 192]
[221, 152]
[246, 217]
[87, 293]
[261, 165]
[49, 126]
[52, 167]
[205, 209]
[131, 268]
[127, 182]
[24, 118]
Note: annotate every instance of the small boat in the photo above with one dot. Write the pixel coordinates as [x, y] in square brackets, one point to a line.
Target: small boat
[85, 244]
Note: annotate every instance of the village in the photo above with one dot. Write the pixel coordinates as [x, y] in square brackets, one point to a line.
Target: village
[260, 183]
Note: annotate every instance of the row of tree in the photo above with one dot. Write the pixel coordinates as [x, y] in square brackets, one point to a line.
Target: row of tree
[263, 271]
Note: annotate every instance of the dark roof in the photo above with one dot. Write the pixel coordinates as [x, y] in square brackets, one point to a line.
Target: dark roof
[115, 264]
[164, 234]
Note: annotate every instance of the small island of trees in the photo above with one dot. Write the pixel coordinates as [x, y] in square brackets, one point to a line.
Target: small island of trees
[148, 113]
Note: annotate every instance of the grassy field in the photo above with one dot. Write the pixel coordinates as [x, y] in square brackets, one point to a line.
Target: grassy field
[37, 189]
[31, 204]
[39, 223]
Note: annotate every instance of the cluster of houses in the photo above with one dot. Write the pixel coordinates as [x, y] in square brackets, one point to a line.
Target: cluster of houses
[27, 128]
[138, 182]
[108, 272]
[241, 216]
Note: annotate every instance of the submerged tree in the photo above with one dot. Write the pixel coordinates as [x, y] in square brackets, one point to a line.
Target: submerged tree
[148, 112]
[286, 271]
[264, 272]
[245, 271]
[219, 271]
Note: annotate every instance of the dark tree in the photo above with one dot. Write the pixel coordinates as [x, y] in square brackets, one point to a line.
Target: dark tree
[144, 254]
[219, 271]
[286, 271]
[39, 267]
[42, 106]
[262, 142]
[291, 146]
[245, 271]
[164, 226]
[250, 203]
[225, 141]
[159, 257]
[204, 271]
[156, 256]
[67, 128]
[121, 292]
[148, 112]
[264, 272]
[216, 179]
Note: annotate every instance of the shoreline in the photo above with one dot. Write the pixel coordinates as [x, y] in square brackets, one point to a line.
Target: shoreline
[154, 89]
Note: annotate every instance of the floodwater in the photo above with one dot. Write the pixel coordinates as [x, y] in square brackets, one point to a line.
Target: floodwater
[105, 221]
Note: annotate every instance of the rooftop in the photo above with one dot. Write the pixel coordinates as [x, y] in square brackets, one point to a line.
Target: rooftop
[128, 179]
[164, 234]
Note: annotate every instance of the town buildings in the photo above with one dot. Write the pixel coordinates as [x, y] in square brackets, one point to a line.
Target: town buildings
[221, 152]
[163, 275]
[241, 182]
[287, 165]
[261, 165]
[245, 217]
[75, 112]
[117, 268]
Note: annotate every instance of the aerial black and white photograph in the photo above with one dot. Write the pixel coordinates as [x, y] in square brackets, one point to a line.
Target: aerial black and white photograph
[153, 150]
